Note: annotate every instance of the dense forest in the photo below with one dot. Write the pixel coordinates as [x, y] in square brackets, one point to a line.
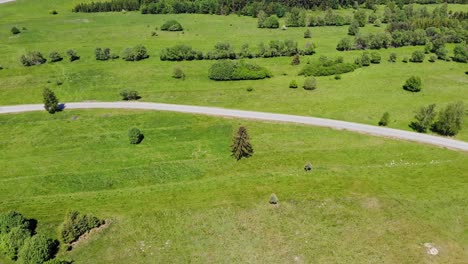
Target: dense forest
[224, 7]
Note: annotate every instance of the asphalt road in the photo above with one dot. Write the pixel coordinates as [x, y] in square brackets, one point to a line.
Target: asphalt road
[314, 121]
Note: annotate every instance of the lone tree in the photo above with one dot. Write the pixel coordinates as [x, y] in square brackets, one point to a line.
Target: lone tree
[241, 147]
[413, 84]
[50, 101]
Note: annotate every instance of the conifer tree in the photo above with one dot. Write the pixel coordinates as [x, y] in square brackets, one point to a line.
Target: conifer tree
[241, 147]
[50, 101]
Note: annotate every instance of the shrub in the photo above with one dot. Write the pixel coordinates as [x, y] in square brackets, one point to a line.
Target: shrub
[53, 12]
[273, 199]
[293, 84]
[296, 60]
[377, 23]
[417, 56]
[450, 120]
[360, 17]
[271, 22]
[310, 84]
[353, 29]
[385, 119]
[392, 57]
[135, 136]
[32, 58]
[432, 58]
[442, 53]
[460, 53]
[337, 77]
[72, 56]
[428, 48]
[37, 249]
[413, 84]
[327, 67]
[55, 56]
[102, 54]
[129, 95]
[179, 53]
[225, 70]
[307, 33]
[375, 57]
[50, 101]
[14, 240]
[135, 54]
[405, 60]
[13, 219]
[178, 73]
[249, 89]
[344, 44]
[15, 30]
[424, 118]
[171, 25]
[76, 224]
[365, 59]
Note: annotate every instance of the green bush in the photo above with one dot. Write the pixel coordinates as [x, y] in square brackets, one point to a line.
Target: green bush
[135, 136]
[365, 59]
[271, 22]
[307, 33]
[405, 60]
[55, 56]
[385, 119]
[432, 58]
[424, 118]
[14, 240]
[293, 84]
[135, 54]
[32, 58]
[392, 57]
[345, 44]
[460, 53]
[327, 67]
[375, 57]
[273, 199]
[72, 56]
[337, 77]
[129, 95]
[377, 23]
[353, 29]
[226, 70]
[179, 53]
[13, 219]
[178, 73]
[413, 84]
[417, 56]
[102, 54]
[53, 12]
[310, 84]
[15, 30]
[171, 25]
[442, 54]
[450, 120]
[37, 250]
[76, 224]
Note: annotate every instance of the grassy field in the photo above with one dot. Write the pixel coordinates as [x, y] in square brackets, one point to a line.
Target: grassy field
[361, 96]
[179, 196]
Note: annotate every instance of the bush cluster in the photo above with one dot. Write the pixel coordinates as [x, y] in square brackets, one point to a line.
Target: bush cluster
[135, 136]
[135, 54]
[226, 70]
[180, 52]
[326, 66]
[15, 230]
[76, 224]
[449, 121]
[129, 95]
[265, 21]
[55, 56]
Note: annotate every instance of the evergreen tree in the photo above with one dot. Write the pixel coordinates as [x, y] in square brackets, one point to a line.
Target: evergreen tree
[50, 101]
[241, 147]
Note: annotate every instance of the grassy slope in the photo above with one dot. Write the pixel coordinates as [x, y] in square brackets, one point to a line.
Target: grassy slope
[361, 96]
[178, 196]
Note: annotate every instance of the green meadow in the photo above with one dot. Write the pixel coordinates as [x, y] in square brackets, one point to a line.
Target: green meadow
[179, 197]
[361, 96]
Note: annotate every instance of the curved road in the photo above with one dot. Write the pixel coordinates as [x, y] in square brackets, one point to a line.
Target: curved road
[322, 122]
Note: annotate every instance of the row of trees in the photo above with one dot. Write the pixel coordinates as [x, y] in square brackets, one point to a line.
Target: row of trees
[448, 123]
[36, 58]
[136, 53]
[224, 50]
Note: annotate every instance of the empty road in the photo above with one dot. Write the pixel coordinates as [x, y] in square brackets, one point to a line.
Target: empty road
[214, 111]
